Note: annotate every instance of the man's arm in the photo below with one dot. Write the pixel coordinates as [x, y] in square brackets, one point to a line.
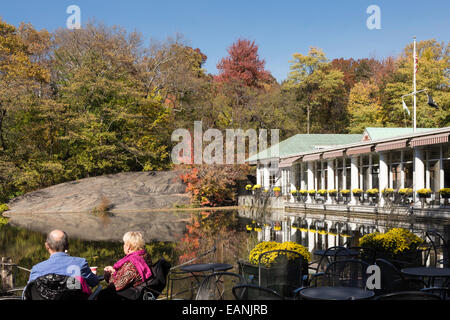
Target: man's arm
[87, 274]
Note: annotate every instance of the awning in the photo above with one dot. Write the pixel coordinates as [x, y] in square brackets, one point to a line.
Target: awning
[312, 157]
[434, 139]
[333, 154]
[287, 162]
[359, 150]
[399, 144]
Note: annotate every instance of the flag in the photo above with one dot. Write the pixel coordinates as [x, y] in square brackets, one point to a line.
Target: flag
[416, 62]
[405, 107]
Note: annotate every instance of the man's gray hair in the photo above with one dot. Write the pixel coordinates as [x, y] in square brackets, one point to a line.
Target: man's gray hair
[58, 244]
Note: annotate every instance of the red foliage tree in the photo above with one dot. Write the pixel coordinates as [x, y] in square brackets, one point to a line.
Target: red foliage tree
[243, 64]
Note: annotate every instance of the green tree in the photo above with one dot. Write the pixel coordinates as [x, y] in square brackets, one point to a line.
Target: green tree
[319, 90]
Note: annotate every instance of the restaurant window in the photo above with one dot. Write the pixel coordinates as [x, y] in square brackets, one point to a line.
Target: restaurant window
[434, 152]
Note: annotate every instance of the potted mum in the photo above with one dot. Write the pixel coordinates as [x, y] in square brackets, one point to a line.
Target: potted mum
[405, 194]
[277, 191]
[302, 194]
[248, 188]
[445, 194]
[345, 193]
[423, 195]
[332, 193]
[357, 193]
[372, 194]
[278, 269]
[312, 193]
[323, 194]
[398, 245]
[256, 188]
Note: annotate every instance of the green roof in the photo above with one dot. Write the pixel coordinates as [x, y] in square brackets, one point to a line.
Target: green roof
[386, 133]
[301, 143]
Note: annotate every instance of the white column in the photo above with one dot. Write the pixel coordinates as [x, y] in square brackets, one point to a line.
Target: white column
[383, 175]
[322, 176]
[354, 176]
[361, 172]
[266, 177]
[419, 168]
[369, 173]
[258, 175]
[302, 183]
[344, 174]
[441, 168]
[330, 177]
[402, 169]
[293, 177]
[310, 180]
[427, 169]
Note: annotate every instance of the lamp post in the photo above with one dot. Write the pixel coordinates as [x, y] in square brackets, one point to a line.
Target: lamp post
[431, 103]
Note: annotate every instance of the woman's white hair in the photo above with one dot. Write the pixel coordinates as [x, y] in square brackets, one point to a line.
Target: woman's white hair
[135, 240]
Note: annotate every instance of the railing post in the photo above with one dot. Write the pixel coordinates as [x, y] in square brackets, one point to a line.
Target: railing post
[7, 274]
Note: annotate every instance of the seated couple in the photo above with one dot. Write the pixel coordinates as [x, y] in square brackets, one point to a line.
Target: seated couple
[130, 271]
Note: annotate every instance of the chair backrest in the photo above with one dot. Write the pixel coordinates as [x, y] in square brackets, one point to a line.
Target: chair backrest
[284, 272]
[347, 273]
[218, 286]
[443, 292]
[254, 292]
[408, 295]
[55, 287]
[393, 280]
[332, 254]
[438, 244]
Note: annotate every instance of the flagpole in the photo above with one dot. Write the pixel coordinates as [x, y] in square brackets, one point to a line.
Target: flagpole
[414, 82]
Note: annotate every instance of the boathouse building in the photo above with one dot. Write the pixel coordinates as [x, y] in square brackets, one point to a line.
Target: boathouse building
[380, 158]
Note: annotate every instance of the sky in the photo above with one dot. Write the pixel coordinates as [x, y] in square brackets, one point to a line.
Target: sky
[279, 28]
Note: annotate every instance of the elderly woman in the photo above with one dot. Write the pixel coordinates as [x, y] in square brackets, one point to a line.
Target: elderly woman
[133, 269]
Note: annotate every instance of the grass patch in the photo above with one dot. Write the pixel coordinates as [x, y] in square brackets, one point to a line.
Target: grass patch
[102, 210]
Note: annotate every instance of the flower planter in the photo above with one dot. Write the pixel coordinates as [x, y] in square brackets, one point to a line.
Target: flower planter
[281, 278]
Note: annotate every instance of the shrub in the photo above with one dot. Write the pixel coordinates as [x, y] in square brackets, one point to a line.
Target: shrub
[396, 240]
[275, 257]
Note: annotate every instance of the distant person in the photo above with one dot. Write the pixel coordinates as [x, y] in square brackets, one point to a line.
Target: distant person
[60, 262]
[134, 268]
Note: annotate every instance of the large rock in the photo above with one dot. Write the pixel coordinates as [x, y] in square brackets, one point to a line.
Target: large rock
[136, 200]
[128, 191]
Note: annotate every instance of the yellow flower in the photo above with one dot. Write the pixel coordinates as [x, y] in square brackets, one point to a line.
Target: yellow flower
[272, 258]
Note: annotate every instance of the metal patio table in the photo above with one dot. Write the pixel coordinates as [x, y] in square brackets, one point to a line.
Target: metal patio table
[335, 293]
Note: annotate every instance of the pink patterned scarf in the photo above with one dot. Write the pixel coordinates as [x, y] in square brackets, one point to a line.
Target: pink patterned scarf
[137, 259]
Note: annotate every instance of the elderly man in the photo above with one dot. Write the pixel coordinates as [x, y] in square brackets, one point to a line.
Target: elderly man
[60, 262]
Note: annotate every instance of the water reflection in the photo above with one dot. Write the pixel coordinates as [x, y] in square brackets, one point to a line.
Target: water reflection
[234, 233]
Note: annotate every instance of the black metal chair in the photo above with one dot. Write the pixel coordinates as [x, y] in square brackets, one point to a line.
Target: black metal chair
[286, 271]
[254, 292]
[393, 280]
[443, 292]
[439, 245]
[330, 255]
[365, 254]
[345, 273]
[218, 286]
[408, 295]
[57, 287]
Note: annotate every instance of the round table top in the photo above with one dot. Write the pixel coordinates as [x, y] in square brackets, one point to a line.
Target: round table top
[341, 252]
[201, 267]
[427, 271]
[336, 293]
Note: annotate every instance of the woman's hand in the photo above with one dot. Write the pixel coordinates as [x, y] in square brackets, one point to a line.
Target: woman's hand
[109, 269]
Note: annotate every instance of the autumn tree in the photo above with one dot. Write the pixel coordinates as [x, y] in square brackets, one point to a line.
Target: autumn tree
[432, 75]
[319, 91]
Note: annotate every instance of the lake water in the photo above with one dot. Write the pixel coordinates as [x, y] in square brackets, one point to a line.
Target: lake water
[234, 233]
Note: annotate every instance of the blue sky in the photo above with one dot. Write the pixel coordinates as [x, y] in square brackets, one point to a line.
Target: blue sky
[280, 28]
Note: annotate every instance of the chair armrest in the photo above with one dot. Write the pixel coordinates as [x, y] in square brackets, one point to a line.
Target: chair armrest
[314, 277]
[101, 278]
[95, 293]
